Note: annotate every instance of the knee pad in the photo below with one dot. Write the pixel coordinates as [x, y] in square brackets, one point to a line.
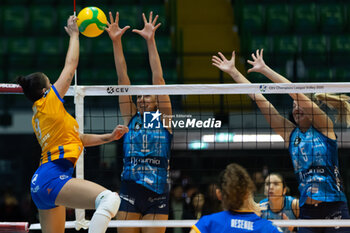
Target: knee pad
[107, 203]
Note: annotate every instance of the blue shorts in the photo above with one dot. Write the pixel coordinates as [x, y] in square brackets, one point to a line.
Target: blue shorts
[136, 198]
[48, 181]
[325, 210]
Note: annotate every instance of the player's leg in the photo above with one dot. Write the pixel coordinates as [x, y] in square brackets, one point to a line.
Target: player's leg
[78, 193]
[46, 183]
[53, 220]
[132, 199]
[124, 215]
[324, 210]
[156, 208]
[338, 210]
[154, 217]
[83, 194]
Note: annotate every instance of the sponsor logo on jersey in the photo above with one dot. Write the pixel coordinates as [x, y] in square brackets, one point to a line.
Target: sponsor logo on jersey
[35, 189]
[63, 177]
[35, 177]
[126, 198]
[297, 141]
[137, 126]
[48, 190]
[141, 160]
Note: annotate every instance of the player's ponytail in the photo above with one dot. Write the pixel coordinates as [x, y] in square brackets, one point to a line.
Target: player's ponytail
[337, 102]
[32, 85]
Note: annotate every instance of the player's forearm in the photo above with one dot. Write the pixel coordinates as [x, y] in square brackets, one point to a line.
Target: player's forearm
[120, 63]
[277, 78]
[155, 63]
[72, 57]
[239, 78]
[71, 63]
[273, 75]
[95, 139]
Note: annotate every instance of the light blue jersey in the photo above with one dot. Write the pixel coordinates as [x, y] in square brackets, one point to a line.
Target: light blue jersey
[267, 213]
[146, 154]
[238, 222]
[315, 161]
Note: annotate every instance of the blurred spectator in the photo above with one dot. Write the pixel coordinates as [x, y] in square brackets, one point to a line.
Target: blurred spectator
[189, 191]
[212, 203]
[197, 207]
[28, 209]
[177, 206]
[9, 210]
[259, 180]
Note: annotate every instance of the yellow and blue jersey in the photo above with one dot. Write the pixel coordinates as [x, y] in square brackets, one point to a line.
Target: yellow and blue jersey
[56, 130]
[228, 221]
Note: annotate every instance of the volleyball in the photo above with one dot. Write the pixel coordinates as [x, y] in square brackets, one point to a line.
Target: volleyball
[91, 21]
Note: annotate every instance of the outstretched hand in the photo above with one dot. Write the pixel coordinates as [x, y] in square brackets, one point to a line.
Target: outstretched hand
[113, 29]
[119, 132]
[223, 64]
[258, 62]
[72, 27]
[150, 27]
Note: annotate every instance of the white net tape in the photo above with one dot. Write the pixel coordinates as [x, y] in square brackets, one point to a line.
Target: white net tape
[198, 89]
[189, 223]
[23, 226]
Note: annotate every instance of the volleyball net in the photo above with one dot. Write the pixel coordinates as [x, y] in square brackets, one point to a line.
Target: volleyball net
[212, 125]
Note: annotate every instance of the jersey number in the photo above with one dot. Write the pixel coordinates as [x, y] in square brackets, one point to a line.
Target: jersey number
[37, 128]
[144, 143]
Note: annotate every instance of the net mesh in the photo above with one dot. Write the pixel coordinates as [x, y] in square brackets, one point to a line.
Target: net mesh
[210, 131]
[213, 125]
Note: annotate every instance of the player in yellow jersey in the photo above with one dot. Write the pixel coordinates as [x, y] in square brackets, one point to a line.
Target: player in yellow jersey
[52, 186]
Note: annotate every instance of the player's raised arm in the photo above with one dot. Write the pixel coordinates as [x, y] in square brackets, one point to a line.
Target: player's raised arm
[72, 58]
[302, 103]
[148, 33]
[127, 107]
[278, 123]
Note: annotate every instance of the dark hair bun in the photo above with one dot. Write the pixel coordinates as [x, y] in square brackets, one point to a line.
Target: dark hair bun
[21, 80]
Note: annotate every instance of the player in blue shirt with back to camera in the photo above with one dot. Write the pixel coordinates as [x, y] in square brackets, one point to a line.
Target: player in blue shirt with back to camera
[240, 214]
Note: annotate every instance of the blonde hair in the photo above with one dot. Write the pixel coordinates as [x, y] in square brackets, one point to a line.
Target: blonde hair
[337, 102]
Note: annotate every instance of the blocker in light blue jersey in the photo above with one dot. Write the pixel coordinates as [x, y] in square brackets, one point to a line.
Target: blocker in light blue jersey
[147, 153]
[238, 222]
[267, 213]
[315, 161]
